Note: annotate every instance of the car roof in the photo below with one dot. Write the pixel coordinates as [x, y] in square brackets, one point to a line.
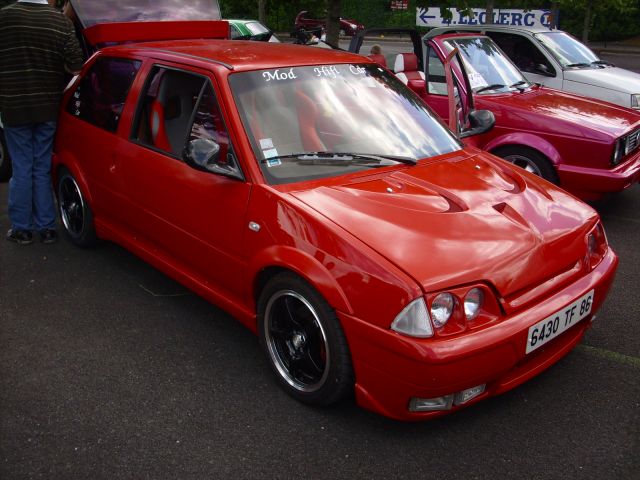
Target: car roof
[496, 28]
[242, 21]
[239, 55]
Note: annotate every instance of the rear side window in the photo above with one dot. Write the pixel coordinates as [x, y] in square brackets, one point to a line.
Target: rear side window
[100, 96]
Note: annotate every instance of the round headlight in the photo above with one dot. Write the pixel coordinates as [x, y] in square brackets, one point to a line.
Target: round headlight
[473, 303]
[442, 308]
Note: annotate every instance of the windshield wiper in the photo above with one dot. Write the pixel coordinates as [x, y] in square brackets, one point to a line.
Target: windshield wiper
[603, 63]
[339, 158]
[493, 86]
[518, 85]
[578, 65]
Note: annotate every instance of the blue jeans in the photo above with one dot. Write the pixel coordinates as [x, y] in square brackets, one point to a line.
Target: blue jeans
[31, 204]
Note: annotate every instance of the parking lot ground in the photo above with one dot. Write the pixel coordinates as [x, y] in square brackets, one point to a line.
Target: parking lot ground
[109, 370]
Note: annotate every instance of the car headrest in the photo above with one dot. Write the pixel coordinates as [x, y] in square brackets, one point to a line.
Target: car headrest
[406, 62]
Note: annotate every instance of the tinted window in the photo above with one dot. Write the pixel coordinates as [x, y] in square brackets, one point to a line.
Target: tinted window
[521, 51]
[166, 109]
[100, 96]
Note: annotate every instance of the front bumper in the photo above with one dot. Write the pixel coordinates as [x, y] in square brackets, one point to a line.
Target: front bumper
[592, 183]
[391, 369]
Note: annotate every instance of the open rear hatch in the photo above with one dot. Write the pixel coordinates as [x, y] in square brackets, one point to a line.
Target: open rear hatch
[109, 22]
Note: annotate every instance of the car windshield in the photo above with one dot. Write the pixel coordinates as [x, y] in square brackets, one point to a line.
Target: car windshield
[256, 28]
[567, 50]
[91, 12]
[320, 121]
[489, 70]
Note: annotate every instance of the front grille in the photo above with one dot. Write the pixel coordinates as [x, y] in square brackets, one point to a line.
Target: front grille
[633, 140]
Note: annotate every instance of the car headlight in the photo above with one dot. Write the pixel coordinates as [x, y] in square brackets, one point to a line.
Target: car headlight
[635, 100]
[413, 320]
[442, 308]
[472, 303]
[618, 151]
[596, 246]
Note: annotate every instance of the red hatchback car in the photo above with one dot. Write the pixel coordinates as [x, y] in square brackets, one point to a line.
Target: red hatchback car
[313, 196]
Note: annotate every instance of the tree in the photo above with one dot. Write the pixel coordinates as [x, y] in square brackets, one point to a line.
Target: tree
[334, 9]
[262, 18]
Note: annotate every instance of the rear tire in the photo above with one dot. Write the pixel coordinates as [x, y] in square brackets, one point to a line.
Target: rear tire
[304, 342]
[529, 160]
[5, 160]
[75, 212]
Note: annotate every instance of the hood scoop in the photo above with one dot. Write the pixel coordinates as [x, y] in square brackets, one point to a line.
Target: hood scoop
[408, 193]
[509, 212]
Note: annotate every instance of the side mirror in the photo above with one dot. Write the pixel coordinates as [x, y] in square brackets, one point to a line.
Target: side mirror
[542, 69]
[204, 154]
[480, 121]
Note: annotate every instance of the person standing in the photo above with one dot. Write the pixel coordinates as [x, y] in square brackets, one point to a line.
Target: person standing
[37, 45]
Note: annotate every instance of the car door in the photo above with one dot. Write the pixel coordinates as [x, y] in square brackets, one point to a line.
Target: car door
[190, 218]
[97, 103]
[535, 63]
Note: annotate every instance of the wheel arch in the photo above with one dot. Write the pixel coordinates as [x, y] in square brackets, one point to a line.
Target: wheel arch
[280, 258]
[75, 170]
[528, 141]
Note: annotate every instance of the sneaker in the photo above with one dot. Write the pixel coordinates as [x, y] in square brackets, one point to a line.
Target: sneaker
[49, 236]
[21, 237]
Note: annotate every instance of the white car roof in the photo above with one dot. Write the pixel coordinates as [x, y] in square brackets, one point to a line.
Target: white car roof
[481, 28]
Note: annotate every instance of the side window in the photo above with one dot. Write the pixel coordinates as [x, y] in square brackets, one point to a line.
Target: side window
[101, 93]
[436, 80]
[235, 33]
[165, 110]
[526, 56]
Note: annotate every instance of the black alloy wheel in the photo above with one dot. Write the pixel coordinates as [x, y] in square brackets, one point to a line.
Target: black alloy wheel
[304, 342]
[75, 212]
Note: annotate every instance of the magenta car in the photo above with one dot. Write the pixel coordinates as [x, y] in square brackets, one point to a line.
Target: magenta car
[587, 146]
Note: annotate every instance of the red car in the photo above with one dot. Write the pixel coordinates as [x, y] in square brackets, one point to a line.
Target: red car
[348, 26]
[313, 196]
[589, 147]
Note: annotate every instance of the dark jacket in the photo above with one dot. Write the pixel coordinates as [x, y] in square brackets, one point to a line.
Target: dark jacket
[37, 43]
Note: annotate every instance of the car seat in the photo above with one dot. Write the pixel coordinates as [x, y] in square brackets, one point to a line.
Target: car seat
[171, 110]
[406, 69]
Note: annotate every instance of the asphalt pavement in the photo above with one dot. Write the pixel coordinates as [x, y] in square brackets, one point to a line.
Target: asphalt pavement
[110, 370]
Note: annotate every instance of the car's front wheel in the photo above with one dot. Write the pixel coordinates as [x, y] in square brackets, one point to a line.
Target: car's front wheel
[529, 160]
[75, 212]
[304, 342]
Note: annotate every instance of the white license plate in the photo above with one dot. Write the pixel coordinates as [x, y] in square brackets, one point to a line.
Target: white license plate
[546, 330]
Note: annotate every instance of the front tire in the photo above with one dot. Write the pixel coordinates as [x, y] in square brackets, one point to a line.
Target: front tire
[530, 160]
[304, 342]
[75, 212]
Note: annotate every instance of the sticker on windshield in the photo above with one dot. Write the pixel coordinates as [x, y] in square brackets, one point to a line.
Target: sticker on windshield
[270, 154]
[273, 162]
[266, 143]
[327, 71]
[476, 80]
[279, 75]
